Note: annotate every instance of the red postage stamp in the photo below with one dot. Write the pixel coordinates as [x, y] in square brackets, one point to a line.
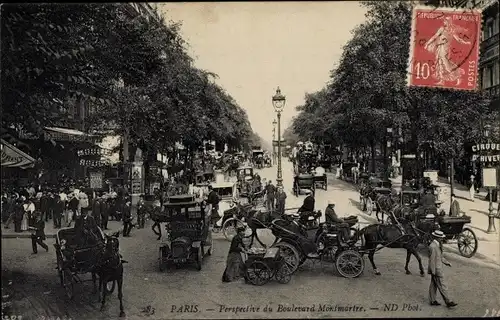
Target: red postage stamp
[444, 48]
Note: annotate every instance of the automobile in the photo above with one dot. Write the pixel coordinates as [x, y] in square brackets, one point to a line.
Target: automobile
[188, 238]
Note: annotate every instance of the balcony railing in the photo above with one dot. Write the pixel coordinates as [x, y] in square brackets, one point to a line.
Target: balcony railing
[490, 41]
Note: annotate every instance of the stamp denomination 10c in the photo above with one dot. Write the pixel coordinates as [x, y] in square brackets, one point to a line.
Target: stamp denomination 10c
[444, 48]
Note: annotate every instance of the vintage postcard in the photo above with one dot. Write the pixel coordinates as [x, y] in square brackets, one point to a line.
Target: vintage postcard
[250, 160]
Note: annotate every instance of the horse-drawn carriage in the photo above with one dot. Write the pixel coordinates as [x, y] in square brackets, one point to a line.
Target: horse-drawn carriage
[74, 259]
[263, 265]
[371, 192]
[320, 178]
[428, 220]
[303, 181]
[347, 172]
[322, 242]
[188, 238]
[258, 158]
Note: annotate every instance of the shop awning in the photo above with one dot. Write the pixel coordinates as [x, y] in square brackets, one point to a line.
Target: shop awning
[12, 157]
[65, 134]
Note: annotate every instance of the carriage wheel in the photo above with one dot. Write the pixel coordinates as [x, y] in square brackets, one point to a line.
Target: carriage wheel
[467, 243]
[110, 287]
[67, 278]
[290, 254]
[258, 273]
[369, 206]
[283, 273]
[350, 264]
[162, 254]
[229, 227]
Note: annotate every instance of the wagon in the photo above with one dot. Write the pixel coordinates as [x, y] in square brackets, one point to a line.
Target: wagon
[346, 173]
[303, 181]
[453, 228]
[263, 265]
[320, 178]
[73, 261]
[188, 238]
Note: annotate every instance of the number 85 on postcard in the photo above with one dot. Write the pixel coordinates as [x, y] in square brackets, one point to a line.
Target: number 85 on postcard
[444, 48]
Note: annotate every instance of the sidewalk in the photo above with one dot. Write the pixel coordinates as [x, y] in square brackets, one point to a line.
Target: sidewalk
[50, 231]
[489, 244]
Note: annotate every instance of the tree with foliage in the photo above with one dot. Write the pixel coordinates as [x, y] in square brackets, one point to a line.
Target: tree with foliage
[368, 92]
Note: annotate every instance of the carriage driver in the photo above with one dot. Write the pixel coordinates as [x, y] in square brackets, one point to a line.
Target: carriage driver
[307, 208]
[332, 218]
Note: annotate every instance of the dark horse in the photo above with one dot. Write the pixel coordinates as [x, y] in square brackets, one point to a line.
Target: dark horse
[259, 220]
[384, 203]
[401, 235]
[109, 268]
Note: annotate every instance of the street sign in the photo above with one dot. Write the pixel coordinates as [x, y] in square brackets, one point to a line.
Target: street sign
[490, 177]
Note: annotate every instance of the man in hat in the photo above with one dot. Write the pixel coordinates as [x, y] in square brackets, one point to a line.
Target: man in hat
[38, 234]
[435, 269]
[332, 218]
[127, 217]
[213, 201]
[58, 211]
[308, 204]
[307, 208]
[141, 212]
[270, 195]
[96, 209]
[280, 201]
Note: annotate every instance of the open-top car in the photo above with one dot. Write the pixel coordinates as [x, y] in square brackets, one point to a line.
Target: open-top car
[188, 238]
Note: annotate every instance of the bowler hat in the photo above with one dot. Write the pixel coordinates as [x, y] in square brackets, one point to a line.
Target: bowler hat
[240, 229]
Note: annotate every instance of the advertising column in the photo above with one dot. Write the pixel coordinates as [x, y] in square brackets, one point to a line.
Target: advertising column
[137, 180]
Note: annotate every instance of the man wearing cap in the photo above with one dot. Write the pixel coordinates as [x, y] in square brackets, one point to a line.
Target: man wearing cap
[435, 269]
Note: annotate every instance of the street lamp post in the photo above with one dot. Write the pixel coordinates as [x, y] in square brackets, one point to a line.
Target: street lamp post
[274, 139]
[389, 152]
[491, 216]
[278, 104]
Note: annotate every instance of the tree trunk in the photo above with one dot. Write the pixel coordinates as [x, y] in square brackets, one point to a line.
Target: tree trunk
[373, 153]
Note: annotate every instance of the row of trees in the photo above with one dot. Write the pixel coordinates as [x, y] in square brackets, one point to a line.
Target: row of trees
[57, 54]
[367, 93]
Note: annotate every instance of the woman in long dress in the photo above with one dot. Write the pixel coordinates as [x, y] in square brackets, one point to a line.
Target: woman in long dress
[24, 221]
[234, 263]
[439, 44]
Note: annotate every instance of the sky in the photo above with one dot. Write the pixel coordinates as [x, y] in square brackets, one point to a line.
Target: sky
[254, 47]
